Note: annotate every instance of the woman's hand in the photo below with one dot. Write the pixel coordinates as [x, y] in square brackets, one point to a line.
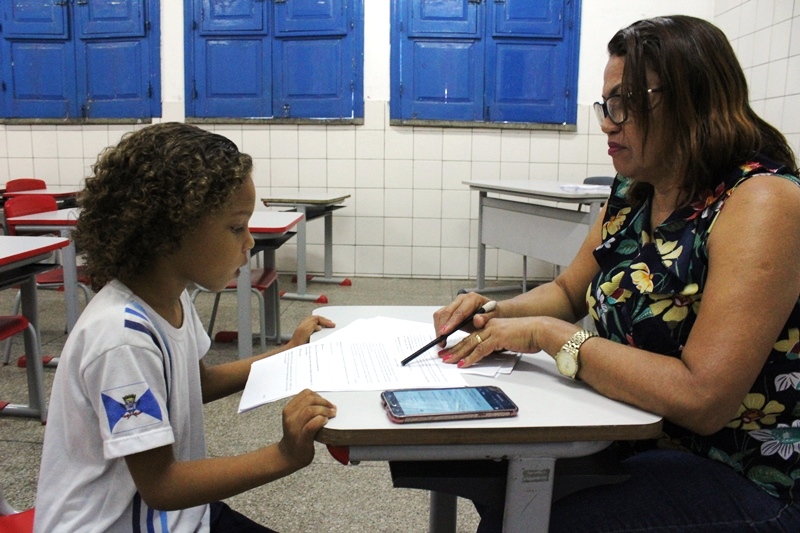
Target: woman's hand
[498, 334]
[447, 318]
[307, 327]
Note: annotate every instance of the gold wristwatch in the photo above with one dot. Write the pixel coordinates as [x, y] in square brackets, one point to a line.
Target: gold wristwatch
[567, 358]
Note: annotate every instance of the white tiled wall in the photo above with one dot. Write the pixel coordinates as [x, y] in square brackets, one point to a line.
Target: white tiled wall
[409, 215]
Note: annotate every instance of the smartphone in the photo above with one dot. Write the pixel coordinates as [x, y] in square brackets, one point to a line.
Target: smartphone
[456, 403]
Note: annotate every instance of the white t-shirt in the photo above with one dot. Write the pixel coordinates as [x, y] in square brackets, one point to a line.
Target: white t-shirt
[126, 382]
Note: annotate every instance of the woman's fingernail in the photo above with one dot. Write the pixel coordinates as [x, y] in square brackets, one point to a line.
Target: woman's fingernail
[442, 329]
[461, 364]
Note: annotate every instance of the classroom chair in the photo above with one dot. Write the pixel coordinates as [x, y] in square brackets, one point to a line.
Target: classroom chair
[261, 280]
[25, 184]
[13, 521]
[52, 279]
[12, 325]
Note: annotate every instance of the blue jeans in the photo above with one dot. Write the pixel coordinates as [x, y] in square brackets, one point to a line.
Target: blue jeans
[671, 491]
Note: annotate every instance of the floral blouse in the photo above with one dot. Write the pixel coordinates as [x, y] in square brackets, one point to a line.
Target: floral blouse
[648, 293]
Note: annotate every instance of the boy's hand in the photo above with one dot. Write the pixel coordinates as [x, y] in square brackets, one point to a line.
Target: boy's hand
[309, 325]
[303, 417]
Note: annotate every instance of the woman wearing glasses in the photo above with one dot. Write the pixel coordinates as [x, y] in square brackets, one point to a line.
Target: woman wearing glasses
[692, 277]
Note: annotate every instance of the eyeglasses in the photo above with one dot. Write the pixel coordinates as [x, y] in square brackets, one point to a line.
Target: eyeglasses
[613, 109]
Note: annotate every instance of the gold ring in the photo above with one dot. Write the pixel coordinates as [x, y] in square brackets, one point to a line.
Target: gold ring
[479, 338]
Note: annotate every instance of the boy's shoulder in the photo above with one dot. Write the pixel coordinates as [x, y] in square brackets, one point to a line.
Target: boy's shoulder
[114, 318]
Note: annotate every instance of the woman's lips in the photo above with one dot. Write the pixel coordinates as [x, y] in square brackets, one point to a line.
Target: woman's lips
[614, 148]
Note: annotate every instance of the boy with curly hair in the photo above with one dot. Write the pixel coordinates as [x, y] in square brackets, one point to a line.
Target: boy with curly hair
[124, 448]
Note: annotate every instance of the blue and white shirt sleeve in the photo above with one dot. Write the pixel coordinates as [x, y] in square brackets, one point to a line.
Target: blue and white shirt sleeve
[128, 388]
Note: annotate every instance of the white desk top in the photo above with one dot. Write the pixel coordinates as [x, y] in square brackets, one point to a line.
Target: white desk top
[274, 221]
[310, 197]
[59, 217]
[56, 191]
[17, 250]
[541, 189]
[552, 408]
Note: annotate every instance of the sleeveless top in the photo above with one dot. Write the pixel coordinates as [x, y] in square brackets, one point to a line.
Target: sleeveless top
[648, 293]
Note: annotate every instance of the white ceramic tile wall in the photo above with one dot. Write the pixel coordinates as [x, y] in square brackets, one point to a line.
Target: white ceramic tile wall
[409, 214]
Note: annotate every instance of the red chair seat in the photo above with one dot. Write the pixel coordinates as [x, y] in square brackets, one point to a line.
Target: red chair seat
[11, 325]
[17, 523]
[260, 279]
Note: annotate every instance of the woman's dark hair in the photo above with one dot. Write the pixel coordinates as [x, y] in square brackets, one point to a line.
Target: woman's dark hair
[706, 109]
[148, 191]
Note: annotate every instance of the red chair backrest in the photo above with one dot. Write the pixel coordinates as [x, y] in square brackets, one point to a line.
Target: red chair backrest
[25, 184]
[27, 205]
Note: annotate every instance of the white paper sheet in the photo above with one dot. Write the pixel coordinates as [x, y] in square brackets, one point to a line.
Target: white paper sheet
[365, 355]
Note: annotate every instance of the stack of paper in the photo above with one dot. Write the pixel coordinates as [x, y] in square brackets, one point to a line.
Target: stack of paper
[364, 355]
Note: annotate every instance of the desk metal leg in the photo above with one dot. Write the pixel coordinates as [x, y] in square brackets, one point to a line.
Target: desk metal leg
[36, 398]
[443, 514]
[481, 287]
[302, 276]
[245, 333]
[529, 492]
[301, 265]
[69, 260]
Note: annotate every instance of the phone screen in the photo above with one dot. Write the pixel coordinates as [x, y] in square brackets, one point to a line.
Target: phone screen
[441, 404]
[433, 401]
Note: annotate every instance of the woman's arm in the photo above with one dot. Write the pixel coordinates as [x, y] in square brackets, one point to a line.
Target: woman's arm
[753, 283]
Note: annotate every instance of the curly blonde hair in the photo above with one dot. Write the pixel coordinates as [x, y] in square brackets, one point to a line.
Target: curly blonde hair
[148, 191]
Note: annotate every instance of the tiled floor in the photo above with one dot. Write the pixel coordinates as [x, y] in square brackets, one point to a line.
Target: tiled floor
[324, 497]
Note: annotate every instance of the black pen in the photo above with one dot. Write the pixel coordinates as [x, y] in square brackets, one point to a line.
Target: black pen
[488, 307]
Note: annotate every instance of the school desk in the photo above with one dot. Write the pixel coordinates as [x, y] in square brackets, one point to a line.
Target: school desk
[19, 263]
[557, 418]
[312, 204]
[266, 227]
[552, 233]
[61, 221]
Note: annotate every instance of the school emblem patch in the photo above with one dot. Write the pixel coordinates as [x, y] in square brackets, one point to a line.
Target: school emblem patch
[130, 407]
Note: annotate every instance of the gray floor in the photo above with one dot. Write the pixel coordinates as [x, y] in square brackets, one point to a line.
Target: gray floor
[324, 497]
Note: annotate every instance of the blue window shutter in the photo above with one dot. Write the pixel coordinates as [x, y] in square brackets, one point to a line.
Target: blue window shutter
[502, 61]
[293, 59]
[528, 64]
[442, 61]
[78, 60]
[232, 60]
[39, 68]
[314, 55]
[113, 59]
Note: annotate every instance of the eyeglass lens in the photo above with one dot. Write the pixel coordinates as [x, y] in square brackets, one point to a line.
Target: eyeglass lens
[611, 108]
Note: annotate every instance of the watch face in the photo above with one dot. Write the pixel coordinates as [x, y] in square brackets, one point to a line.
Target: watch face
[566, 364]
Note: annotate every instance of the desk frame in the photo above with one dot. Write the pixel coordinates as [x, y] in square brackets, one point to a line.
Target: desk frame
[22, 272]
[311, 205]
[363, 428]
[263, 233]
[62, 221]
[552, 234]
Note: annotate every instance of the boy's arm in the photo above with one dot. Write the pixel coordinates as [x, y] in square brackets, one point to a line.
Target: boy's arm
[222, 380]
[168, 484]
